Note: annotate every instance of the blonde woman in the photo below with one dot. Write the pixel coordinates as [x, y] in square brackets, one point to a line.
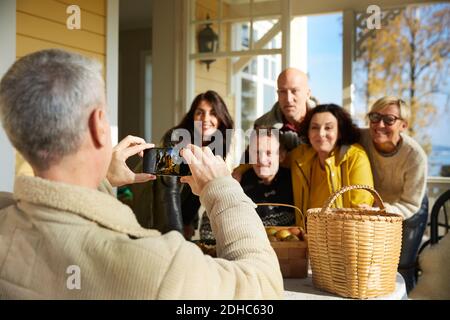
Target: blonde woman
[399, 167]
[398, 162]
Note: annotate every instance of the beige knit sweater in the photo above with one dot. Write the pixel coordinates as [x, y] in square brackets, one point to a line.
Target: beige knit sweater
[400, 179]
[60, 241]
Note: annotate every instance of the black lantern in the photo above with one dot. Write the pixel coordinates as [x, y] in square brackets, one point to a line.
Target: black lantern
[207, 42]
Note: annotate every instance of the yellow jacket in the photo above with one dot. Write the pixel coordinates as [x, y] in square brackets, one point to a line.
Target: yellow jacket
[347, 165]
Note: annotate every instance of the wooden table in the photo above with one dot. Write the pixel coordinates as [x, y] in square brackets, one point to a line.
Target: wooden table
[303, 289]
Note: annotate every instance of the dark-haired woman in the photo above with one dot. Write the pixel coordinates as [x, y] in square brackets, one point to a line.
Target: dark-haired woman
[330, 160]
[174, 206]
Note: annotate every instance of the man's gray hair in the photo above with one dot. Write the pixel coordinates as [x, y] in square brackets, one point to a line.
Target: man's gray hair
[45, 101]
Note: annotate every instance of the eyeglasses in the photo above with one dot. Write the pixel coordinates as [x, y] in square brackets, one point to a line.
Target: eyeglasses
[388, 119]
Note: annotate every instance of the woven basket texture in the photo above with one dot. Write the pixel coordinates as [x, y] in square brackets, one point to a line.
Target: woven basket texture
[354, 252]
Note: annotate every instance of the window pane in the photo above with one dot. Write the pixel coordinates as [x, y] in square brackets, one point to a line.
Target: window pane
[269, 97]
[262, 28]
[266, 69]
[325, 57]
[248, 101]
[254, 67]
[245, 35]
[275, 70]
[258, 91]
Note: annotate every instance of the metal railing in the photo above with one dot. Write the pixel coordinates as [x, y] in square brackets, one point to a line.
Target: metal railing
[435, 187]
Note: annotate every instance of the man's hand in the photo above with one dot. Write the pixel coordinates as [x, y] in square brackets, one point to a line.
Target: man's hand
[204, 166]
[118, 173]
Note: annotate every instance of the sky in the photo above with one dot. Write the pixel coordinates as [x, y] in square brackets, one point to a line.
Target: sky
[325, 70]
[325, 57]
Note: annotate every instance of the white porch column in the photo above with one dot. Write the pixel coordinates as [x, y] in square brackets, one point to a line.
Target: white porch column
[286, 33]
[348, 43]
[112, 66]
[294, 39]
[7, 58]
[299, 43]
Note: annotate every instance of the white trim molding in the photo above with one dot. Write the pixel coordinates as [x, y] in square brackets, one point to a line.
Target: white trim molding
[112, 66]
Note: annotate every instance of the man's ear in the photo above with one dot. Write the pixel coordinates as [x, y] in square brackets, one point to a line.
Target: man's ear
[98, 127]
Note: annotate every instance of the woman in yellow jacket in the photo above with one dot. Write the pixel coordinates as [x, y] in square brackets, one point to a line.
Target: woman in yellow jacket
[329, 160]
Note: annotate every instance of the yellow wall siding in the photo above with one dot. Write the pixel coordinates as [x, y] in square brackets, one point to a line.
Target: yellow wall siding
[42, 25]
[53, 32]
[93, 6]
[203, 7]
[26, 45]
[56, 11]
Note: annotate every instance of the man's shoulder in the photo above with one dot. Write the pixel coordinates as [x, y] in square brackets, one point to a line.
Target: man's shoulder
[270, 118]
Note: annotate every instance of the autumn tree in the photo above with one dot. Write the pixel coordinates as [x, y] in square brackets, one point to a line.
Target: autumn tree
[409, 57]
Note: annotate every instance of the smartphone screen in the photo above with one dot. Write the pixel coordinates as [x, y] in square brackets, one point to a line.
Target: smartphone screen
[165, 162]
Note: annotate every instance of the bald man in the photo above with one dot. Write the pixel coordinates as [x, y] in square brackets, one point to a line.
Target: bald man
[293, 102]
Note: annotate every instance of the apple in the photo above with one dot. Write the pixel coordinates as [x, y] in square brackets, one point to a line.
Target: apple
[292, 237]
[295, 231]
[282, 234]
[271, 231]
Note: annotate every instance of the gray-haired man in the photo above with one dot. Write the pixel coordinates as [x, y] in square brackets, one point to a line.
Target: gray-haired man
[61, 238]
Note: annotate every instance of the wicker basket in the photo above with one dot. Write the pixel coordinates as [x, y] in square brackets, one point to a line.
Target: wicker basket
[292, 255]
[354, 252]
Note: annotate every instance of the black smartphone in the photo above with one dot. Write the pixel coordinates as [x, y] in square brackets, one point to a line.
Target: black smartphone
[165, 162]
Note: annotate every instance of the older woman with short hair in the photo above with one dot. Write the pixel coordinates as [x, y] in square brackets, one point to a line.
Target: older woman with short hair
[399, 167]
[398, 162]
[330, 160]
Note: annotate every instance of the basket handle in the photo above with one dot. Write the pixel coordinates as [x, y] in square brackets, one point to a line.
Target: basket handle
[338, 193]
[297, 211]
